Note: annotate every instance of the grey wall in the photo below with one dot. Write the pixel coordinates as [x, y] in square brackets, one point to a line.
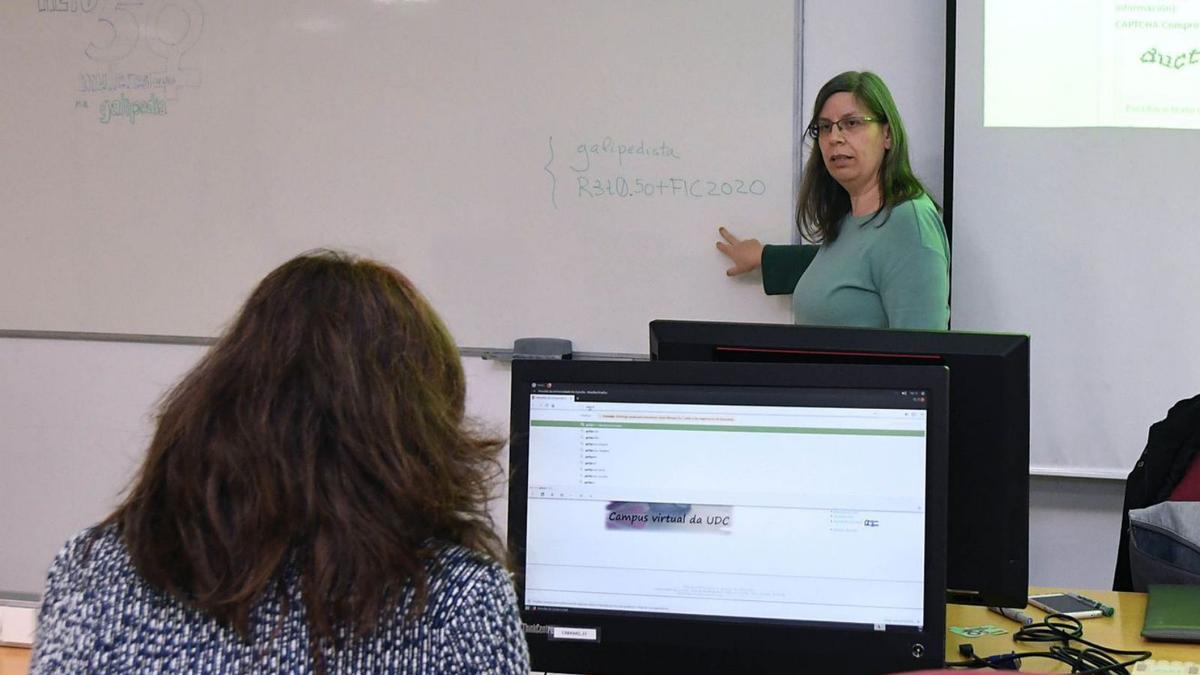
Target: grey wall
[1074, 527]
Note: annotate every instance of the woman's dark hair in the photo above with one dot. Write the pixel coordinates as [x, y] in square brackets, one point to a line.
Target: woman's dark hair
[822, 202]
[323, 431]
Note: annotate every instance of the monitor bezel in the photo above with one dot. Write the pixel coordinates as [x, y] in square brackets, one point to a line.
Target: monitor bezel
[995, 571]
[633, 642]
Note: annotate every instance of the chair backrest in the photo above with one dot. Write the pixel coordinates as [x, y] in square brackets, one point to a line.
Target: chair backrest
[1164, 545]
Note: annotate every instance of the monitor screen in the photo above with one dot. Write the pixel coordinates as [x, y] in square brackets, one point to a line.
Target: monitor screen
[661, 509]
[988, 498]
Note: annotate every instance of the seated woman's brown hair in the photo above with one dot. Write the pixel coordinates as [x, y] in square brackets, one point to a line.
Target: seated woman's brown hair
[324, 430]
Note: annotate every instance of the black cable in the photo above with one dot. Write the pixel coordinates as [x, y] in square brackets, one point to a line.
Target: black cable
[1062, 629]
[1065, 629]
[1010, 661]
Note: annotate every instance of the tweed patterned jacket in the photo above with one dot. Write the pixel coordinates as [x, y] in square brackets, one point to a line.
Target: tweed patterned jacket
[99, 616]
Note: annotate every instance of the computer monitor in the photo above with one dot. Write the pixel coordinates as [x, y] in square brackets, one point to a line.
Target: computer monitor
[728, 518]
[988, 524]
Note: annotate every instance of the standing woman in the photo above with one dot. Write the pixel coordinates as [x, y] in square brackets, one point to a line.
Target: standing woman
[312, 501]
[881, 259]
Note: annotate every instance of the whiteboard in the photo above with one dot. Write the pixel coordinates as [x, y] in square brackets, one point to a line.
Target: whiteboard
[536, 167]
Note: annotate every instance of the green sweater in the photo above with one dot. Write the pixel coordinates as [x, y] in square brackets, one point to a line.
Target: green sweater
[894, 276]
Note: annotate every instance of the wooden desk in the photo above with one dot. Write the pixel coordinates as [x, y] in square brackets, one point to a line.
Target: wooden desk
[1122, 630]
[14, 660]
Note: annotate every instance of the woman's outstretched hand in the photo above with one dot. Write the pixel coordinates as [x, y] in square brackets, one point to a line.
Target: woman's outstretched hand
[746, 254]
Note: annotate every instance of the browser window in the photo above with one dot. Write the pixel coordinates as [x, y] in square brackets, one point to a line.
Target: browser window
[731, 502]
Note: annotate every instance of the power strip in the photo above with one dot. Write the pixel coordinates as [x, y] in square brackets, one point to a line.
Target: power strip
[1153, 667]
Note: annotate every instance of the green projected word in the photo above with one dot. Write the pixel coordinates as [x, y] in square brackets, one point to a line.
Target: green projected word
[1176, 62]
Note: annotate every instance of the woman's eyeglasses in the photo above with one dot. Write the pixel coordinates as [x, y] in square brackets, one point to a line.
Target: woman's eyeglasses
[846, 125]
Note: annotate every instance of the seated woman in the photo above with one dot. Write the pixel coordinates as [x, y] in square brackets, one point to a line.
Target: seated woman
[312, 501]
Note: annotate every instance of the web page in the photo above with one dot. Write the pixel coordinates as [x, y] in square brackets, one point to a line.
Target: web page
[730, 510]
[1093, 63]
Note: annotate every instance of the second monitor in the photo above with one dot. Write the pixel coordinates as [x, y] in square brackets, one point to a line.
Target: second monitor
[988, 501]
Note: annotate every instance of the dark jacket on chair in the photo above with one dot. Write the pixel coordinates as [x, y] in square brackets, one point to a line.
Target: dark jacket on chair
[1172, 444]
